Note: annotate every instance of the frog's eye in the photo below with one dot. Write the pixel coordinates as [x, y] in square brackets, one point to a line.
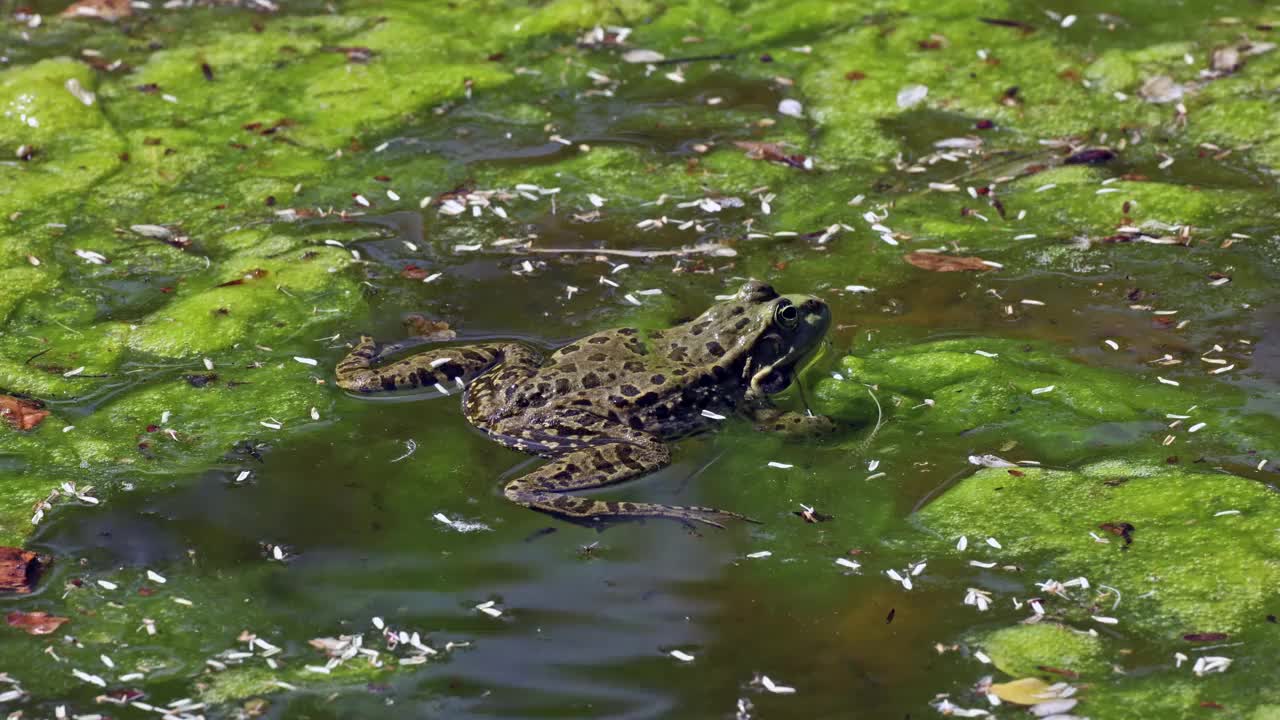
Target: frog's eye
[787, 315]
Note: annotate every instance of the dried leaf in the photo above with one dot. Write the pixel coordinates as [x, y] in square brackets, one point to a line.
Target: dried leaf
[1225, 60]
[1205, 637]
[21, 414]
[355, 54]
[1093, 156]
[772, 152]
[937, 262]
[1026, 691]
[35, 623]
[642, 56]
[1161, 89]
[912, 95]
[413, 272]
[434, 330]
[1004, 22]
[109, 10]
[19, 570]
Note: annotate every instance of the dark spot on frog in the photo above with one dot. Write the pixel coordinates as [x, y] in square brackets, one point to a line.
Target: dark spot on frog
[715, 348]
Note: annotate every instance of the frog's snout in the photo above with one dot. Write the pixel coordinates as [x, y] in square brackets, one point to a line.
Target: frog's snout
[816, 314]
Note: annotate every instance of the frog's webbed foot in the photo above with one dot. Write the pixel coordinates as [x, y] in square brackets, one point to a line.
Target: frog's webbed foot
[792, 424]
[446, 369]
[622, 455]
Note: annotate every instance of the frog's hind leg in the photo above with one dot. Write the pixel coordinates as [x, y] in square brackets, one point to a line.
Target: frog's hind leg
[446, 369]
[622, 455]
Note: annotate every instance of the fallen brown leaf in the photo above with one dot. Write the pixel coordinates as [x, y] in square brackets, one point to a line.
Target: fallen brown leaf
[109, 10]
[434, 330]
[21, 414]
[772, 152]
[19, 570]
[937, 262]
[35, 623]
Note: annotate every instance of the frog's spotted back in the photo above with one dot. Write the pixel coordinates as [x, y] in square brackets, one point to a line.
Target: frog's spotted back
[602, 407]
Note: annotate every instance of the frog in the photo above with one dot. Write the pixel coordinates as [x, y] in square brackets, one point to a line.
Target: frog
[605, 409]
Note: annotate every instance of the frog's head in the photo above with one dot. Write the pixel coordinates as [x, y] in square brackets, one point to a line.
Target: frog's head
[786, 331]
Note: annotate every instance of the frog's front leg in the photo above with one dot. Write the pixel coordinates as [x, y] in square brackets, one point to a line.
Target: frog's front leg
[446, 369]
[793, 424]
[615, 454]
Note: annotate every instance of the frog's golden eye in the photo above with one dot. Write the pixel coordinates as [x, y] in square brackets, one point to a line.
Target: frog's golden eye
[787, 315]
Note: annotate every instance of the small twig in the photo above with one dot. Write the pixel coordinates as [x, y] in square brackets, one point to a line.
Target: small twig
[711, 248]
[696, 58]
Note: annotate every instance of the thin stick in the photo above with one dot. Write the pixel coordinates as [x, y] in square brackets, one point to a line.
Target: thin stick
[721, 250]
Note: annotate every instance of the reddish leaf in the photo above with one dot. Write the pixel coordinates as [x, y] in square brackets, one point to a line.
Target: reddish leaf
[936, 262]
[355, 54]
[21, 414]
[1124, 530]
[35, 623]
[19, 570]
[413, 272]
[1204, 637]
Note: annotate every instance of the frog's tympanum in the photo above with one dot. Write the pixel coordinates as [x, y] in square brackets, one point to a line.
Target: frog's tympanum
[603, 408]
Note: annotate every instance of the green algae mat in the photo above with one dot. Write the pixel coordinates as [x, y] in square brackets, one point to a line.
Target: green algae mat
[1049, 236]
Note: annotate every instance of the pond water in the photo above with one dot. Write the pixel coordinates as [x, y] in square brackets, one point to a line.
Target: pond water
[1059, 464]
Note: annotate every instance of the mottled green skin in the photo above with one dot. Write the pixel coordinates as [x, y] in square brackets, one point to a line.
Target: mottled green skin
[603, 408]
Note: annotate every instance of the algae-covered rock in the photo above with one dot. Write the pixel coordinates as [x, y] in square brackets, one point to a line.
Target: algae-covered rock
[1025, 650]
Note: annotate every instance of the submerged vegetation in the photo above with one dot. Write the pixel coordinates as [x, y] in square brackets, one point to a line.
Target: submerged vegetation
[1047, 237]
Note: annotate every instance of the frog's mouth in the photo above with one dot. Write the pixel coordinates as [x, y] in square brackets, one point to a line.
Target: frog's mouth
[770, 381]
[778, 375]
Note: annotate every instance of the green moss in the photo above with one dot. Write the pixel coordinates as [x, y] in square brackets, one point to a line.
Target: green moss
[216, 318]
[1187, 570]
[1021, 651]
[75, 145]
